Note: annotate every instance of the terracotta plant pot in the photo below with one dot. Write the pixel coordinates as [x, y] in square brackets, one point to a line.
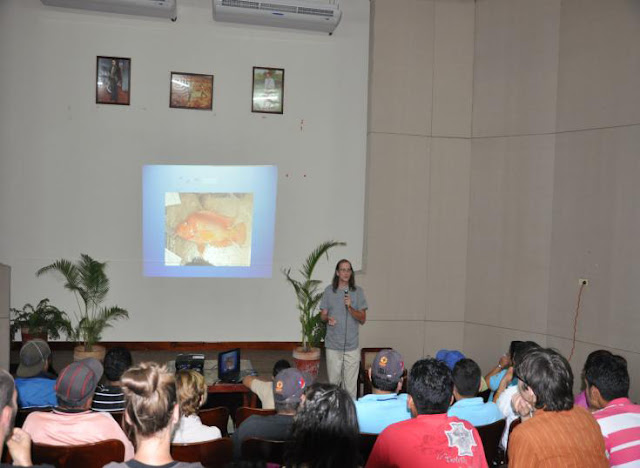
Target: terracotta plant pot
[97, 352]
[307, 362]
[28, 335]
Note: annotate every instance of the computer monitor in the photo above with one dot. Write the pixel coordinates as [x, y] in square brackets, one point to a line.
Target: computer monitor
[190, 361]
[229, 366]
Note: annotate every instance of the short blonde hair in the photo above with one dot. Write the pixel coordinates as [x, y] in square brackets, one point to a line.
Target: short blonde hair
[192, 391]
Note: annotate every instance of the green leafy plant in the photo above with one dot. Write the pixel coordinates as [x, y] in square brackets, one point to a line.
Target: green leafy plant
[89, 283]
[43, 318]
[308, 297]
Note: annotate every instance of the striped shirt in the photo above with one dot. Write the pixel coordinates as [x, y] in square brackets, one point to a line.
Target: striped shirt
[552, 439]
[620, 425]
[108, 398]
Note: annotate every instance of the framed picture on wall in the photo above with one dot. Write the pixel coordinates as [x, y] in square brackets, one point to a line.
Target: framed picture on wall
[113, 80]
[191, 91]
[268, 90]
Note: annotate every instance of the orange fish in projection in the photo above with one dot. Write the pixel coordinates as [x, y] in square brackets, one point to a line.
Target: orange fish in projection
[210, 228]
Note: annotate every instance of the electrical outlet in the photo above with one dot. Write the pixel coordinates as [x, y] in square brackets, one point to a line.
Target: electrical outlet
[583, 282]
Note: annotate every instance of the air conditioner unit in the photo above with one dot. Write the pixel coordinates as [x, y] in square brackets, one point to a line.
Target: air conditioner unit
[157, 8]
[312, 16]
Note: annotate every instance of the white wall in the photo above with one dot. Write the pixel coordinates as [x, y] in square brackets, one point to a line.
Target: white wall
[70, 170]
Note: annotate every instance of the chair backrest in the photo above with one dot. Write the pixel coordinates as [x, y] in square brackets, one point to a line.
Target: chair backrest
[270, 451]
[366, 442]
[491, 435]
[244, 412]
[212, 453]
[485, 395]
[218, 417]
[22, 414]
[117, 415]
[94, 455]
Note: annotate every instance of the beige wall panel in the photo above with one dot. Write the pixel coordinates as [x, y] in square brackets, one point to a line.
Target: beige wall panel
[448, 228]
[515, 67]
[596, 227]
[405, 336]
[396, 229]
[4, 343]
[580, 354]
[442, 335]
[485, 344]
[599, 64]
[401, 76]
[510, 231]
[453, 67]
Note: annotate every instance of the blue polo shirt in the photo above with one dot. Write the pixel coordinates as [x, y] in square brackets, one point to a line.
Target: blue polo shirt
[36, 391]
[475, 411]
[376, 412]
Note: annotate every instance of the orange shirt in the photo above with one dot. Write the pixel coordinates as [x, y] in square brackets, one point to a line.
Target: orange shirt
[552, 439]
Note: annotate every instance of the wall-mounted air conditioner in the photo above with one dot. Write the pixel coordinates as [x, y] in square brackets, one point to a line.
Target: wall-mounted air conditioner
[157, 8]
[297, 14]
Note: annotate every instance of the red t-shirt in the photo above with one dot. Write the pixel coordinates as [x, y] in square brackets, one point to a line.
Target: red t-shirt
[434, 440]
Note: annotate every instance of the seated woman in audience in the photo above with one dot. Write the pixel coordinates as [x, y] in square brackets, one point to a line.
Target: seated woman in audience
[325, 430]
[192, 394]
[494, 377]
[151, 413]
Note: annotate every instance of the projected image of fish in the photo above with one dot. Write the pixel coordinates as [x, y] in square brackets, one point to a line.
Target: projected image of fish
[208, 229]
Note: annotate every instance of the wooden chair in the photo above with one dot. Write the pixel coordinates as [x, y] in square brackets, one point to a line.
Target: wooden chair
[94, 455]
[268, 451]
[22, 414]
[366, 442]
[490, 434]
[485, 395]
[212, 453]
[244, 412]
[218, 417]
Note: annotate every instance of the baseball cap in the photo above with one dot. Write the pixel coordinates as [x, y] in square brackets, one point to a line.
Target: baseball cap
[288, 386]
[388, 365]
[449, 357]
[78, 381]
[33, 356]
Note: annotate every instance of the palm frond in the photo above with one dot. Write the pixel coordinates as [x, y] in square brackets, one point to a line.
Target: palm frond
[313, 258]
[68, 271]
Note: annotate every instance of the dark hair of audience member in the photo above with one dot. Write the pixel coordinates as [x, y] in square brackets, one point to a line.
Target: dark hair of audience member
[383, 384]
[466, 377]
[430, 386]
[281, 365]
[336, 279]
[116, 361]
[549, 375]
[520, 350]
[325, 430]
[609, 374]
[150, 393]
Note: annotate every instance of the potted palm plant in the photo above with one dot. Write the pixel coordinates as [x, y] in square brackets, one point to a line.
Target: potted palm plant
[307, 356]
[87, 280]
[43, 321]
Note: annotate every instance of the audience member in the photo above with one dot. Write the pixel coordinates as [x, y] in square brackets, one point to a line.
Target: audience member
[151, 414]
[495, 375]
[325, 430]
[18, 442]
[581, 398]
[192, 394]
[431, 438]
[35, 385]
[288, 387]
[264, 387]
[109, 396]
[608, 393]
[451, 357]
[469, 406]
[554, 432]
[385, 405]
[72, 422]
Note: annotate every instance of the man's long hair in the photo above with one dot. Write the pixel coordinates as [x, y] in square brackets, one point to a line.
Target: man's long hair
[336, 278]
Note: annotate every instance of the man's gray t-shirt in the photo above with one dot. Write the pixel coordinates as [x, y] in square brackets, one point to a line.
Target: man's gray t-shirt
[334, 303]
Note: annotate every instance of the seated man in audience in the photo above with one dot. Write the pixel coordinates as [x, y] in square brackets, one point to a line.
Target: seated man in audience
[385, 405]
[431, 438]
[109, 396]
[607, 379]
[554, 432]
[18, 442]
[264, 387]
[72, 422]
[469, 406]
[451, 357]
[35, 385]
[288, 387]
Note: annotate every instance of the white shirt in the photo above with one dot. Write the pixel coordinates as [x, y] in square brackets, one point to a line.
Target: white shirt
[504, 405]
[190, 429]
